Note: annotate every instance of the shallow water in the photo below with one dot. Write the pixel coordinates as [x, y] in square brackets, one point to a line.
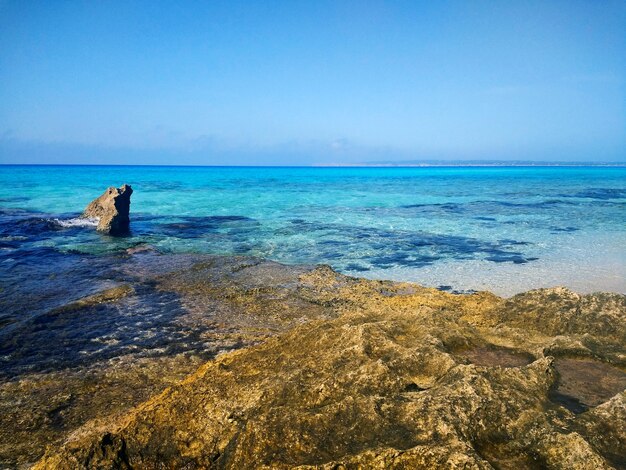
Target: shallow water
[40, 333]
[501, 229]
[585, 383]
[493, 356]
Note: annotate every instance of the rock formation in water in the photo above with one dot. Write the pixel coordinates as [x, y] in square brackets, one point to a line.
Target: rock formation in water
[398, 376]
[112, 210]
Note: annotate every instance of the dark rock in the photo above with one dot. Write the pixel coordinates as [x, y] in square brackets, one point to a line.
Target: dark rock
[112, 209]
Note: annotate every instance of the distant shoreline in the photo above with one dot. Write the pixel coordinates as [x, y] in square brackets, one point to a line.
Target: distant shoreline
[469, 164]
[473, 164]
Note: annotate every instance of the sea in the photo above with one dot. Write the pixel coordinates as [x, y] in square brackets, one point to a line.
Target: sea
[458, 229]
[503, 229]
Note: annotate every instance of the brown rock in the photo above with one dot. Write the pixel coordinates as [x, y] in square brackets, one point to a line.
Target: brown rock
[402, 377]
[112, 209]
[337, 372]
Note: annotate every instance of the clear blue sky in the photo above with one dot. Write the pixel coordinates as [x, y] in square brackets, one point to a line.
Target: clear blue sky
[306, 82]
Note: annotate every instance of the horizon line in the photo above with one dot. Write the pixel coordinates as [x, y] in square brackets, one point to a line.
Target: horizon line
[432, 164]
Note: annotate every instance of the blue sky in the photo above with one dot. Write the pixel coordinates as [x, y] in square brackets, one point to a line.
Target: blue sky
[313, 82]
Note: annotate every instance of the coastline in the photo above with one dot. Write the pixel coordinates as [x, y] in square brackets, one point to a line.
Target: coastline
[477, 164]
[245, 314]
[218, 321]
[312, 236]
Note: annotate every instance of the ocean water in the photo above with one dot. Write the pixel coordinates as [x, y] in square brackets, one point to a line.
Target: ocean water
[504, 229]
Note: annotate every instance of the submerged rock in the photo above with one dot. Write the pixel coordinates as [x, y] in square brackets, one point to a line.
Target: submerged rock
[109, 295]
[112, 210]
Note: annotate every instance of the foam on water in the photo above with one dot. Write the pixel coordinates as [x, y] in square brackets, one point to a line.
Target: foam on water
[77, 222]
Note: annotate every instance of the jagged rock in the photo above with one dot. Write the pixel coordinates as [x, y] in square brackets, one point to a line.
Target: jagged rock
[112, 210]
[400, 377]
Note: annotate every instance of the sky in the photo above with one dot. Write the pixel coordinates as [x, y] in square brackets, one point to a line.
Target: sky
[311, 82]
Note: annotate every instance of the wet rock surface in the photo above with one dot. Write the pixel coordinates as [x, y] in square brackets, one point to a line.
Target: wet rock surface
[584, 383]
[311, 369]
[112, 210]
[494, 356]
[144, 321]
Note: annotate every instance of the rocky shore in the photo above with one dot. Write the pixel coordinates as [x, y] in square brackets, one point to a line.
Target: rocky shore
[302, 367]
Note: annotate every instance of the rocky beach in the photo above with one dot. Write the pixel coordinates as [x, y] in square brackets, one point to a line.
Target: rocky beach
[118, 351]
[263, 365]
[363, 235]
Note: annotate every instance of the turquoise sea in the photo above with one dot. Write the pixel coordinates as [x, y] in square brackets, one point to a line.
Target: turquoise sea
[458, 229]
[504, 229]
